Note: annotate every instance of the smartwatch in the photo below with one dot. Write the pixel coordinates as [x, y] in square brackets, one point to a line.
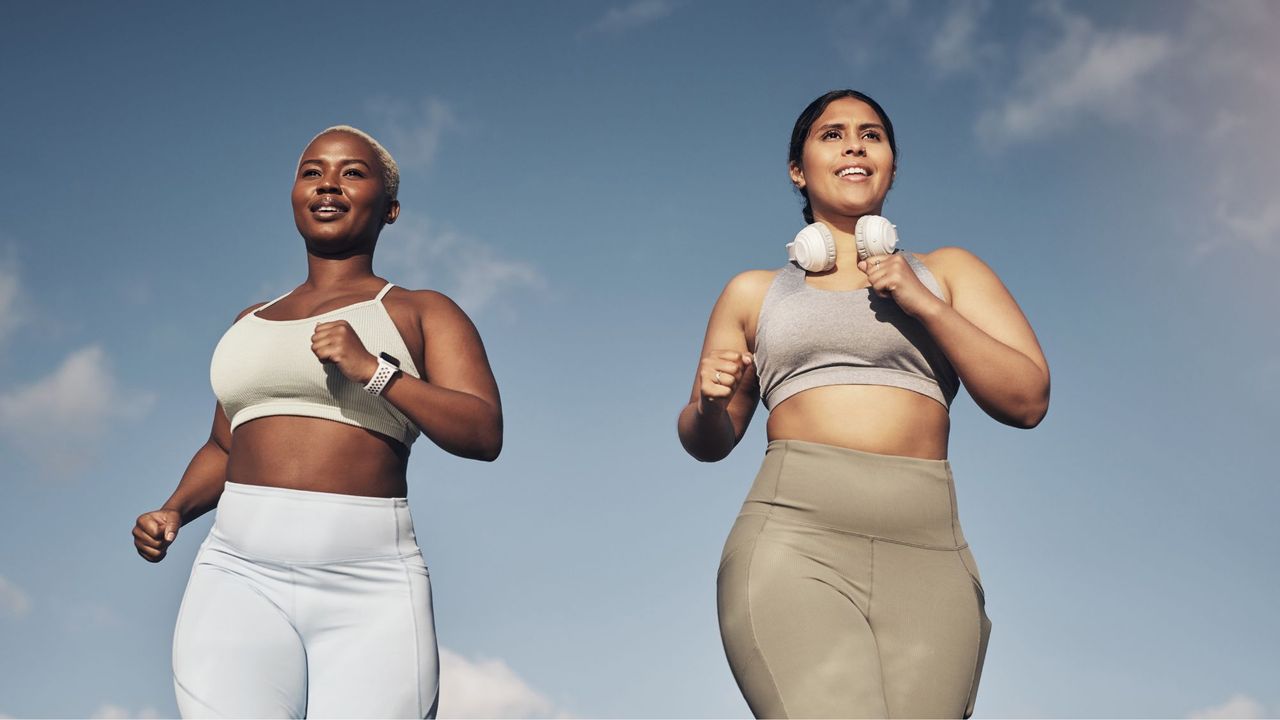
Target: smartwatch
[388, 366]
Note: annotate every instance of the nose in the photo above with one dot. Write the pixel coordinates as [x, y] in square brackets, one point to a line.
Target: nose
[856, 147]
[328, 184]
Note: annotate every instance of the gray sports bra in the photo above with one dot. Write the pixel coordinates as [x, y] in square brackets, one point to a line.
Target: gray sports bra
[808, 338]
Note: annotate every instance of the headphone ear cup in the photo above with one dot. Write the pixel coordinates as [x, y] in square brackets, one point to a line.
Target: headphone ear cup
[814, 249]
[874, 236]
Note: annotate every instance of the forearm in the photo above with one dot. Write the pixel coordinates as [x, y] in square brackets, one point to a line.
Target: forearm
[460, 423]
[708, 435]
[1004, 382]
[201, 485]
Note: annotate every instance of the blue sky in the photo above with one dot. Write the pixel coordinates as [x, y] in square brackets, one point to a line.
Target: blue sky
[583, 178]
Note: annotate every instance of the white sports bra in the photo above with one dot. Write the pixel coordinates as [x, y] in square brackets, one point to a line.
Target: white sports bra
[265, 367]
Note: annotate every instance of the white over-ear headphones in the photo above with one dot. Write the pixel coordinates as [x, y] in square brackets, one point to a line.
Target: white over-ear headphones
[815, 250]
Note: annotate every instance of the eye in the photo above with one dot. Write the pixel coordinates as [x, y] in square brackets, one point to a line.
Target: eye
[353, 171]
[310, 172]
[871, 135]
[831, 134]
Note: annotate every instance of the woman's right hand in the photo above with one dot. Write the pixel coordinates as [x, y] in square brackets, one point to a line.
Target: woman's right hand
[154, 532]
[719, 373]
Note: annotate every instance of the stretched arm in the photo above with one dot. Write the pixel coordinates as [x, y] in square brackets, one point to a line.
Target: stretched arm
[197, 493]
[725, 388]
[456, 403]
[982, 332]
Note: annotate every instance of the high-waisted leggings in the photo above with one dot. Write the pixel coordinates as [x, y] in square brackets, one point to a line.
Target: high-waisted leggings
[307, 604]
[846, 588]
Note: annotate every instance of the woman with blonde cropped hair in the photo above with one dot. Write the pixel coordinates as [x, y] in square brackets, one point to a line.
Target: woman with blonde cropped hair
[310, 596]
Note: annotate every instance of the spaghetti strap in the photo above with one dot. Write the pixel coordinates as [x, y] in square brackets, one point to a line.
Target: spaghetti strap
[383, 292]
[260, 308]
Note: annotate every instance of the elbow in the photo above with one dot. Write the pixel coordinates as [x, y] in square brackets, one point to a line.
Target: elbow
[1031, 411]
[490, 446]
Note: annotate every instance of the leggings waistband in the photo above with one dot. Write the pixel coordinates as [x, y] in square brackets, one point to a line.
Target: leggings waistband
[305, 526]
[890, 497]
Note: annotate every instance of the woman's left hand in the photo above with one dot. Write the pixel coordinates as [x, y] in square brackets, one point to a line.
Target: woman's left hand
[336, 342]
[891, 276]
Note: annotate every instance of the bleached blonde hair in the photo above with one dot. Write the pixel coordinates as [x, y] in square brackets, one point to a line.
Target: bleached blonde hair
[390, 170]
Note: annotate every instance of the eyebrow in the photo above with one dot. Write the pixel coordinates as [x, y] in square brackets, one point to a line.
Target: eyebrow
[344, 161]
[841, 126]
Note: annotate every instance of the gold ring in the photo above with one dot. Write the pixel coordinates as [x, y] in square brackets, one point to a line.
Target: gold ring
[717, 377]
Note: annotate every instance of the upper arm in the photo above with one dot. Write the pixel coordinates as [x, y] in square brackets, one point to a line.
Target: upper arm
[452, 352]
[982, 299]
[732, 320]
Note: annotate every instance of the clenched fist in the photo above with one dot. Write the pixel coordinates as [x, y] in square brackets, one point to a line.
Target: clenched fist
[891, 276]
[719, 374]
[154, 532]
[336, 342]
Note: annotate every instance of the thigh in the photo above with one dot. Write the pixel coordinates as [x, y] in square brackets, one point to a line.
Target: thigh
[371, 642]
[235, 652]
[929, 619]
[792, 618]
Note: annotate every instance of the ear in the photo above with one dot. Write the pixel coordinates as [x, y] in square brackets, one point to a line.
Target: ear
[797, 175]
[393, 211]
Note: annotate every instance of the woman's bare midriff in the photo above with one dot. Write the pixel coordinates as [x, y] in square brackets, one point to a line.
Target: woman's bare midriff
[871, 418]
[302, 453]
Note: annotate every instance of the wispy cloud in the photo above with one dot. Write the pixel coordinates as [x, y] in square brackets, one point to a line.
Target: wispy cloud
[14, 603]
[412, 131]
[10, 295]
[631, 16]
[957, 46]
[1241, 707]
[58, 420]
[111, 711]
[1229, 62]
[486, 689]
[477, 275]
[1086, 73]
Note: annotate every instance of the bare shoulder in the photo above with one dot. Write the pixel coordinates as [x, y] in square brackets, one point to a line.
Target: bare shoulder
[954, 267]
[429, 307]
[249, 309]
[749, 287]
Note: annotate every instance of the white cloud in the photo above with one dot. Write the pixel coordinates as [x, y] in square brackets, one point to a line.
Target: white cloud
[956, 47]
[475, 274]
[10, 297]
[14, 603]
[110, 711]
[412, 133]
[59, 419]
[1086, 73]
[634, 15]
[1238, 706]
[486, 689]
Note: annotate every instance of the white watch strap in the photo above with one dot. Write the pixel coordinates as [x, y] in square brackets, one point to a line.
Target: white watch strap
[381, 377]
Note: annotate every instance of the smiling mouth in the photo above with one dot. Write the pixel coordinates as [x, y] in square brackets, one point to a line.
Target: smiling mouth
[329, 207]
[855, 171]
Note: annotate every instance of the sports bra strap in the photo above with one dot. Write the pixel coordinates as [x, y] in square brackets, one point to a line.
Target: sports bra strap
[260, 308]
[382, 293]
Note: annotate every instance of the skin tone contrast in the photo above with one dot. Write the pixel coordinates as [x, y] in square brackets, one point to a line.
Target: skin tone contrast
[340, 207]
[847, 170]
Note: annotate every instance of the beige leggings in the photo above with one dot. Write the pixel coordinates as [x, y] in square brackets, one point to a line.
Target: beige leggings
[846, 588]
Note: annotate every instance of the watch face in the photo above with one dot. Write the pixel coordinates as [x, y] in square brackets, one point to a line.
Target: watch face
[389, 359]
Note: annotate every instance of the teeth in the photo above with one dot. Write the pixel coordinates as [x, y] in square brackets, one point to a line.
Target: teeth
[853, 171]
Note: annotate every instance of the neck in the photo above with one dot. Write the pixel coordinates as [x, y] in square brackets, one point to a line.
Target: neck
[332, 272]
[842, 231]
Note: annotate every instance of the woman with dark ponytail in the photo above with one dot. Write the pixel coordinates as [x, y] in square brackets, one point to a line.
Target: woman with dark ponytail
[846, 587]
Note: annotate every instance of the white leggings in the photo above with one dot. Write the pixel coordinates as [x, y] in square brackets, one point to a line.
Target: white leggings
[307, 604]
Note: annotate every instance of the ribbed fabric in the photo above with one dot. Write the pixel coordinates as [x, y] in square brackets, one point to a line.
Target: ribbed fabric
[266, 367]
[808, 338]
